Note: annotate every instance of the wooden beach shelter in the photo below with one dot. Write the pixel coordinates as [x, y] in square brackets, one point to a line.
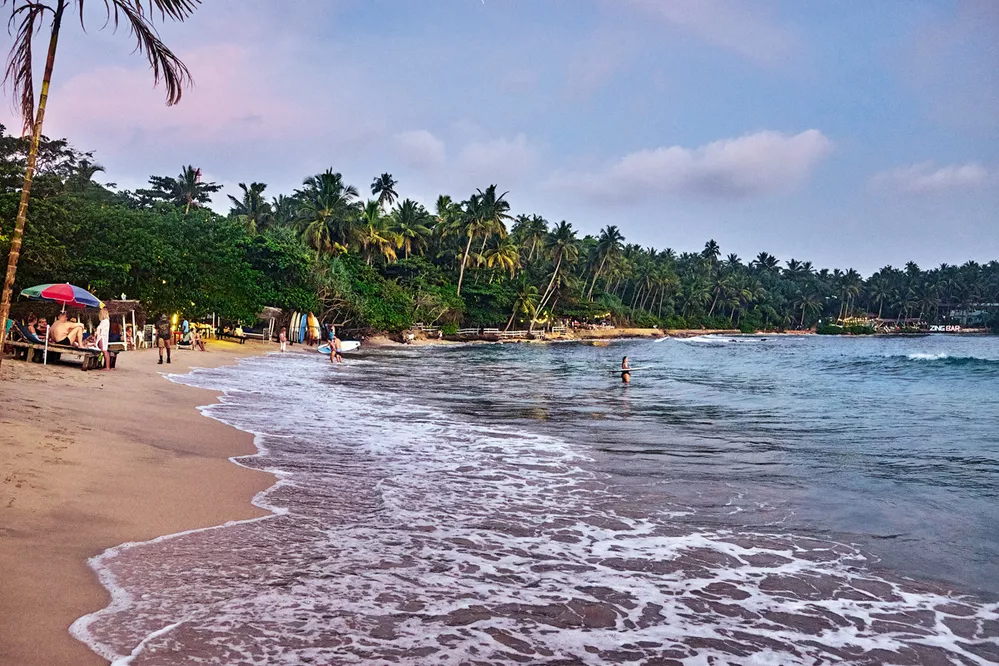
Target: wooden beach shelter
[129, 311]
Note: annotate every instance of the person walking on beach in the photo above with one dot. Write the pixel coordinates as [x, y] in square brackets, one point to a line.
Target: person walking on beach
[335, 351]
[163, 337]
[625, 368]
[283, 338]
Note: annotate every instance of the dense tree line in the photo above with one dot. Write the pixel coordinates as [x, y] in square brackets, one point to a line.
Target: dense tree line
[386, 262]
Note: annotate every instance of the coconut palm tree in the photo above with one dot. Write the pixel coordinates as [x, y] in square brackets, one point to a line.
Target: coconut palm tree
[410, 222]
[284, 209]
[608, 247]
[187, 189]
[328, 212]
[526, 303]
[484, 213]
[374, 236]
[503, 254]
[383, 187]
[808, 301]
[26, 19]
[252, 209]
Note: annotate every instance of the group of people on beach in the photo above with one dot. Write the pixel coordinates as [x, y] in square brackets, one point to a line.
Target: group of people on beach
[69, 332]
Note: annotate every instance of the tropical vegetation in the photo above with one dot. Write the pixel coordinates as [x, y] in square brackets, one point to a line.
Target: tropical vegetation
[387, 263]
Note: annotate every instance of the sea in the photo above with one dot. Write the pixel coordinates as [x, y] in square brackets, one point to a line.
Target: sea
[744, 500]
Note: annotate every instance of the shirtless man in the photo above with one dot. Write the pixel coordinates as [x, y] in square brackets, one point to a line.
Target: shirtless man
[65, 332]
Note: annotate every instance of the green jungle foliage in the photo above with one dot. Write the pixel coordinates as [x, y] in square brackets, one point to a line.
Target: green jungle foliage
[387, 264]
[833, 329]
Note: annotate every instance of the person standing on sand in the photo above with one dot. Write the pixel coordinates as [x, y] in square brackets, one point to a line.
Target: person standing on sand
[625, 374]
[283, 338]
[103, 335]
[335, 351]
[163, 337]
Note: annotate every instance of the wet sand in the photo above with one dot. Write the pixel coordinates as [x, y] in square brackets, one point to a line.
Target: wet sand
[89, 460]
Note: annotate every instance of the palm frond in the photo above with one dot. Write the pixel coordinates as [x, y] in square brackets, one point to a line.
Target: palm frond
[164, 63]
[27, 18]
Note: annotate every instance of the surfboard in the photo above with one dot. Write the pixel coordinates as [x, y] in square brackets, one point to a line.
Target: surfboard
[303, 327]
[293, 327]
[345, 346]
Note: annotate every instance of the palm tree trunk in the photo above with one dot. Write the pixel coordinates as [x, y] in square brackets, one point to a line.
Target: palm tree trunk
[29, 172]
[512, 315]
[589, 294]
[548, 292]
[802, 322]
[464, 258]
[713, 303]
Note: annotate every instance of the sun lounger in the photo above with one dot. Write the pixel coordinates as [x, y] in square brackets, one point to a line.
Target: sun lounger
[32, 348]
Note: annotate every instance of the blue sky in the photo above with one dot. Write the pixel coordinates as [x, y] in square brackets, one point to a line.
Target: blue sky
[852, 134]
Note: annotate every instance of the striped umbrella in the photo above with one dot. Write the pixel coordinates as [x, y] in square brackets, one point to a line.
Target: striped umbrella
[64, 293]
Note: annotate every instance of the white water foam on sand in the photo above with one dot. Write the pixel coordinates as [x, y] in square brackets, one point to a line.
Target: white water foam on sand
[409, 535]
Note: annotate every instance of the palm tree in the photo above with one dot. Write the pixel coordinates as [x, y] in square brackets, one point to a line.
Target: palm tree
[187, 189]
[328, 212]
[284, 209]
[808, 302]
[374, 237]
[410, 224]
[28, 16]
[711, 251]
[383, 187]
[83, 175]
[504, 254]
[484, 212]
[562, 247]
[526, 303]
[608, 246]
[252, 209]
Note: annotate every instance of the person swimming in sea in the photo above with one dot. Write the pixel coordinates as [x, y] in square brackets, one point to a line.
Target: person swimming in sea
[625, 368]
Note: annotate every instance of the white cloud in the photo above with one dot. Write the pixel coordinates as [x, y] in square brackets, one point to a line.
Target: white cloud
[924, 178]
[420, 149]
[502, 161]
[742, 28]
[747, 166]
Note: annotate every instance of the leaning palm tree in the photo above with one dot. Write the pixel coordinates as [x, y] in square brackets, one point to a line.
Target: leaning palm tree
[27, 17]
[484, 212]
[562, 247]
[608, 247]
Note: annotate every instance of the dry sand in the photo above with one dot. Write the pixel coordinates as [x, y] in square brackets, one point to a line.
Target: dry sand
[89, 460]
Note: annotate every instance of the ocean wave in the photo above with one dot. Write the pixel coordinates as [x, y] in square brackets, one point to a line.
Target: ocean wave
[948, 359]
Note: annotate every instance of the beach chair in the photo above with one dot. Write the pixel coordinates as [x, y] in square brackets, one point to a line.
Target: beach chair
[30, 347]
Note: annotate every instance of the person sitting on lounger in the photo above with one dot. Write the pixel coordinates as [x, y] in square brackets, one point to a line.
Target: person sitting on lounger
[33, 324]
[65, 332]
[42, 327]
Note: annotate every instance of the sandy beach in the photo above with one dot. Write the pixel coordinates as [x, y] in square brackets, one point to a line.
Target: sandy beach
[89, 460]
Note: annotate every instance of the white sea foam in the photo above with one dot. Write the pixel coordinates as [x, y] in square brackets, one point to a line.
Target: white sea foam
[922, 356]
[410, 535]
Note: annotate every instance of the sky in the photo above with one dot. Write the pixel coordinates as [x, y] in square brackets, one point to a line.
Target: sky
[850, 134]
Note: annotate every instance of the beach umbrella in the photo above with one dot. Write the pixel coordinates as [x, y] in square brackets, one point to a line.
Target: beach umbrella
[64, 293]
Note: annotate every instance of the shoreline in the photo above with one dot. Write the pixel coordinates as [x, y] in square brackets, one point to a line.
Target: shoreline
[91, 461]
